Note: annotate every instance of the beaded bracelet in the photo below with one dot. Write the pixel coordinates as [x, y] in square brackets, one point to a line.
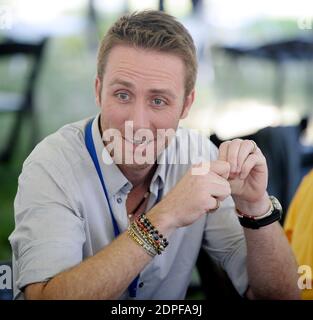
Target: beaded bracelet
[133, 227]
[155, 243]
[148, 248]
[146, 236]
[147, 228]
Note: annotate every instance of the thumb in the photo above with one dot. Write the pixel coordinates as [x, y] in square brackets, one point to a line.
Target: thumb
[221, 168]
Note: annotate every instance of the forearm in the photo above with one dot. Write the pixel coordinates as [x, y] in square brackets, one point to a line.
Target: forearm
[272, 269]
[104, 276]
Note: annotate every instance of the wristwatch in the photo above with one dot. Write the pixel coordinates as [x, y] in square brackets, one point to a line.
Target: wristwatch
[272, 215]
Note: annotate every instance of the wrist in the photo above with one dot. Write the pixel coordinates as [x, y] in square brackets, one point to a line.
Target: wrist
[161, 221]
[273, 214]
[255, 208]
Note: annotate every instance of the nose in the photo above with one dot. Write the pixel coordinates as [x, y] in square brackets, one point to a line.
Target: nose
[139, 115]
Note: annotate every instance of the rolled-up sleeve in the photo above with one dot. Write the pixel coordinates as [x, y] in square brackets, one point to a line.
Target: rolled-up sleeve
[49, 232]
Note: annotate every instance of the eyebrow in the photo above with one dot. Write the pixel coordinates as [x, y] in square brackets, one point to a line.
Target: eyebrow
[163, 91]
[153, 91]
[121, 82]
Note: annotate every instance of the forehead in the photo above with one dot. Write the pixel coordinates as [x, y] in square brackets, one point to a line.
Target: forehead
[145, 66]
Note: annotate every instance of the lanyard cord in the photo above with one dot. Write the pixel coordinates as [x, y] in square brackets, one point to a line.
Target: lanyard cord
[93, 154]
[92, 151]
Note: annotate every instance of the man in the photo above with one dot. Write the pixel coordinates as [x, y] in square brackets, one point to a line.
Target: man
[79, 231]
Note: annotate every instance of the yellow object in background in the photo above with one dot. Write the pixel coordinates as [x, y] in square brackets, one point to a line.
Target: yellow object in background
[299, 230]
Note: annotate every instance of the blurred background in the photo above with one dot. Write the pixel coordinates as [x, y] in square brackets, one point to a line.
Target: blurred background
[255, 78]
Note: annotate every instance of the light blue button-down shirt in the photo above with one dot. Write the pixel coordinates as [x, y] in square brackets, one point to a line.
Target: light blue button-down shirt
[62, 217]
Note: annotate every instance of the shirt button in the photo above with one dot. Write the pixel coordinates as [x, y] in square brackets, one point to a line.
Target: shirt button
[141, 284]
[119, 200]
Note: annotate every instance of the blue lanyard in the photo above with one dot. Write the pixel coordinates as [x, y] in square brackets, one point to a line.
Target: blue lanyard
[92, 151]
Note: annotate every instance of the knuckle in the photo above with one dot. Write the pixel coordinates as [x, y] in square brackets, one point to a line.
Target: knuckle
[237, 141]
[224, 144]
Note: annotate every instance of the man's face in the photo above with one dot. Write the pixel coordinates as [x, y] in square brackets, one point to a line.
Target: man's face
[145, 87]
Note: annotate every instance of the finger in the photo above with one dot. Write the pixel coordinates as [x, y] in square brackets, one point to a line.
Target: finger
[213, 177]
[217, 205]
[223, 151]
[222, 198]
[219, 167]
[247, 147]
[251, 162]
[220, 191]
[232, 156]
[218, 186]
[213, 204]
[222, 168]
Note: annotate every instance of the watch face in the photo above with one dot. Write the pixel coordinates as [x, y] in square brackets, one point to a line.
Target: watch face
[276, 203]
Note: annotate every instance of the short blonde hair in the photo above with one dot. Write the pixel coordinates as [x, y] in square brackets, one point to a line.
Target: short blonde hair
[153, 30]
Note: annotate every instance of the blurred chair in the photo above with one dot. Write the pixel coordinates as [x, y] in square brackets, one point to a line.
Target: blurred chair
[6, 294]
[279, 52]
[22, 104]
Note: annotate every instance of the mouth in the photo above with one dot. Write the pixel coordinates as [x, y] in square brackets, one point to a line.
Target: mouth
[138, 142]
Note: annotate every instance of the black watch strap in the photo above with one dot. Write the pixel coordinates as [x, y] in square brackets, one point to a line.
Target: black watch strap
[273, 215]
[256, 224]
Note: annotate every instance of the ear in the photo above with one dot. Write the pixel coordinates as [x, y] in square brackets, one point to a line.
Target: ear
[98, 91]
[187, 104]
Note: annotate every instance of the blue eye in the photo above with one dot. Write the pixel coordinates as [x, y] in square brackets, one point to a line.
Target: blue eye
[123, 96]
[158, 102]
